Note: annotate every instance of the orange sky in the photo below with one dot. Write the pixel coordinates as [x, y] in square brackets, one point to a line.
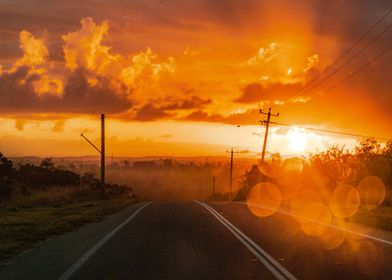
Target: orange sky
[176, 77]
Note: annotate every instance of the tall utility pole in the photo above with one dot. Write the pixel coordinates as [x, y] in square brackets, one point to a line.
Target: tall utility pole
[101, 151]
[103, 154]
[231, 170]
[266, 123]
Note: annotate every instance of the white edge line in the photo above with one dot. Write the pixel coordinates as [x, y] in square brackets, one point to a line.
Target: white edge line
[70, 271]
[261, 255]
[262, 251]
[285, 212]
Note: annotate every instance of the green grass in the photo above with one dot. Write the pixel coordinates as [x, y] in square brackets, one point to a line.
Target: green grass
[26, 222]
[380, 218]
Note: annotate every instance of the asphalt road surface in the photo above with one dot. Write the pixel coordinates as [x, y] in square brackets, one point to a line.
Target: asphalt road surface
[191, 240]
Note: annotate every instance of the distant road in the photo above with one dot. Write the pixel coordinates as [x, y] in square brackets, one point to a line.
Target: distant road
[188, 240]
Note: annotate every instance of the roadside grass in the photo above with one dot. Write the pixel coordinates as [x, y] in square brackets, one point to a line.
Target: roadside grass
[26, 221]
[380, 218]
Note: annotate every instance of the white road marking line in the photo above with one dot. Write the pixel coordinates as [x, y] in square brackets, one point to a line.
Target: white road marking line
[70, 271]
[270, 263]
[285, 212]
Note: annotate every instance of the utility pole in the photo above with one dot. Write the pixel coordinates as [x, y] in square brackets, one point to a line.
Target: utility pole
[231, 170]
[103, 154]
[101, 151]
[266, 123]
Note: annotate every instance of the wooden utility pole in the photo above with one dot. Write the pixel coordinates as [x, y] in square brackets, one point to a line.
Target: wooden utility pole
[103, 154]
[101, 151]
[266, 123]
[231, 171]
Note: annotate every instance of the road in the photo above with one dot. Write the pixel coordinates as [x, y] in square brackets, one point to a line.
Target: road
[189, 240]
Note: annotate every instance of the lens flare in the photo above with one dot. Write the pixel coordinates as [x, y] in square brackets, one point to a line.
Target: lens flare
[315, 219]
[345, 201]
[332, 238]
[293, 166]
[289, 182]
[273, 171]
[302, 199]
[372, 192]
[264, 199]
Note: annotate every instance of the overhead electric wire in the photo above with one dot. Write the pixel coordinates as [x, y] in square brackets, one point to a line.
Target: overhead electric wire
[360, 69]
[361, 51]
[330, 131]
[342, 55]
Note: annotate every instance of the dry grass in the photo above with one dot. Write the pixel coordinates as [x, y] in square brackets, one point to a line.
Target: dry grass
[27, 220]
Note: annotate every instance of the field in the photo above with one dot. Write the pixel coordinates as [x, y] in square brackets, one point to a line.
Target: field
[30, 220]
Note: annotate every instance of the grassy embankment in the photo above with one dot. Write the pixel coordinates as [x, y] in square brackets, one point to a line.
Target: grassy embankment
[26, 221]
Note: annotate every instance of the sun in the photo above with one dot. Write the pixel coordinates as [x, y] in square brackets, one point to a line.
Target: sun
[297, 140]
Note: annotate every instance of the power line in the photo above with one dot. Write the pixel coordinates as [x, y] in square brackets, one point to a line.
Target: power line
[330, 131]
[360, 69]
[344, 54]
[349, 60]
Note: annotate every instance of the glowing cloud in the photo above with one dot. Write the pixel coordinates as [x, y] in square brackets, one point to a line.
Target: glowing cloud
[35, 51]
[83, 48]
[265, 54]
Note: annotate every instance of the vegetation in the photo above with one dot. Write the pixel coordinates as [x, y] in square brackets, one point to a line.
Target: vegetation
[37, 201]
[326, 170]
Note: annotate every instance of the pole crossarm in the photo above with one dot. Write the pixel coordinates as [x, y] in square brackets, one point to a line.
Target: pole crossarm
[266, 123]
[91, 143]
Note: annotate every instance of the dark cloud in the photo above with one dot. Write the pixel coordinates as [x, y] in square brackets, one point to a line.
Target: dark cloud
[165, 108]
[192, 102]
[256, 92]
[347, 20]
[17, 95]
[150, 112]
[250, 116]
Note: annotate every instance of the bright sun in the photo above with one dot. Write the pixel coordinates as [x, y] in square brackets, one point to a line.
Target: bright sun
[297, 140]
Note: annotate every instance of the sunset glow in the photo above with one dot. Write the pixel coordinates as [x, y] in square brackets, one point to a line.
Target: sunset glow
[189, 72]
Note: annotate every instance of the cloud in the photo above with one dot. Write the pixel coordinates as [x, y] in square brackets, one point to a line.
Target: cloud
[180, 103]
[58, 126]
[257, 92]
[20, 124]
[84, 48]
[142, 66]
[265, 54]
[245, 118]
[92, 79]
[150, 112]
[35, 51]
[17, 95]
[165, 108]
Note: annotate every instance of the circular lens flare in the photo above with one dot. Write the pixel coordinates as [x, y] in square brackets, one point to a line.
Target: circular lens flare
[332, 238]
[270, 170]
[315, 219]
[372, 192]
[264, 199]
[305, 197]
[345, 201]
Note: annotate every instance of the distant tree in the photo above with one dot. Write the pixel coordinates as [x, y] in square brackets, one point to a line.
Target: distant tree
[6, 168]
[47, 163]
[337, 165]
[6, 177]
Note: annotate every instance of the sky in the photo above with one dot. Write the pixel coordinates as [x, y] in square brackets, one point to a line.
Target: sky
[188, 78]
